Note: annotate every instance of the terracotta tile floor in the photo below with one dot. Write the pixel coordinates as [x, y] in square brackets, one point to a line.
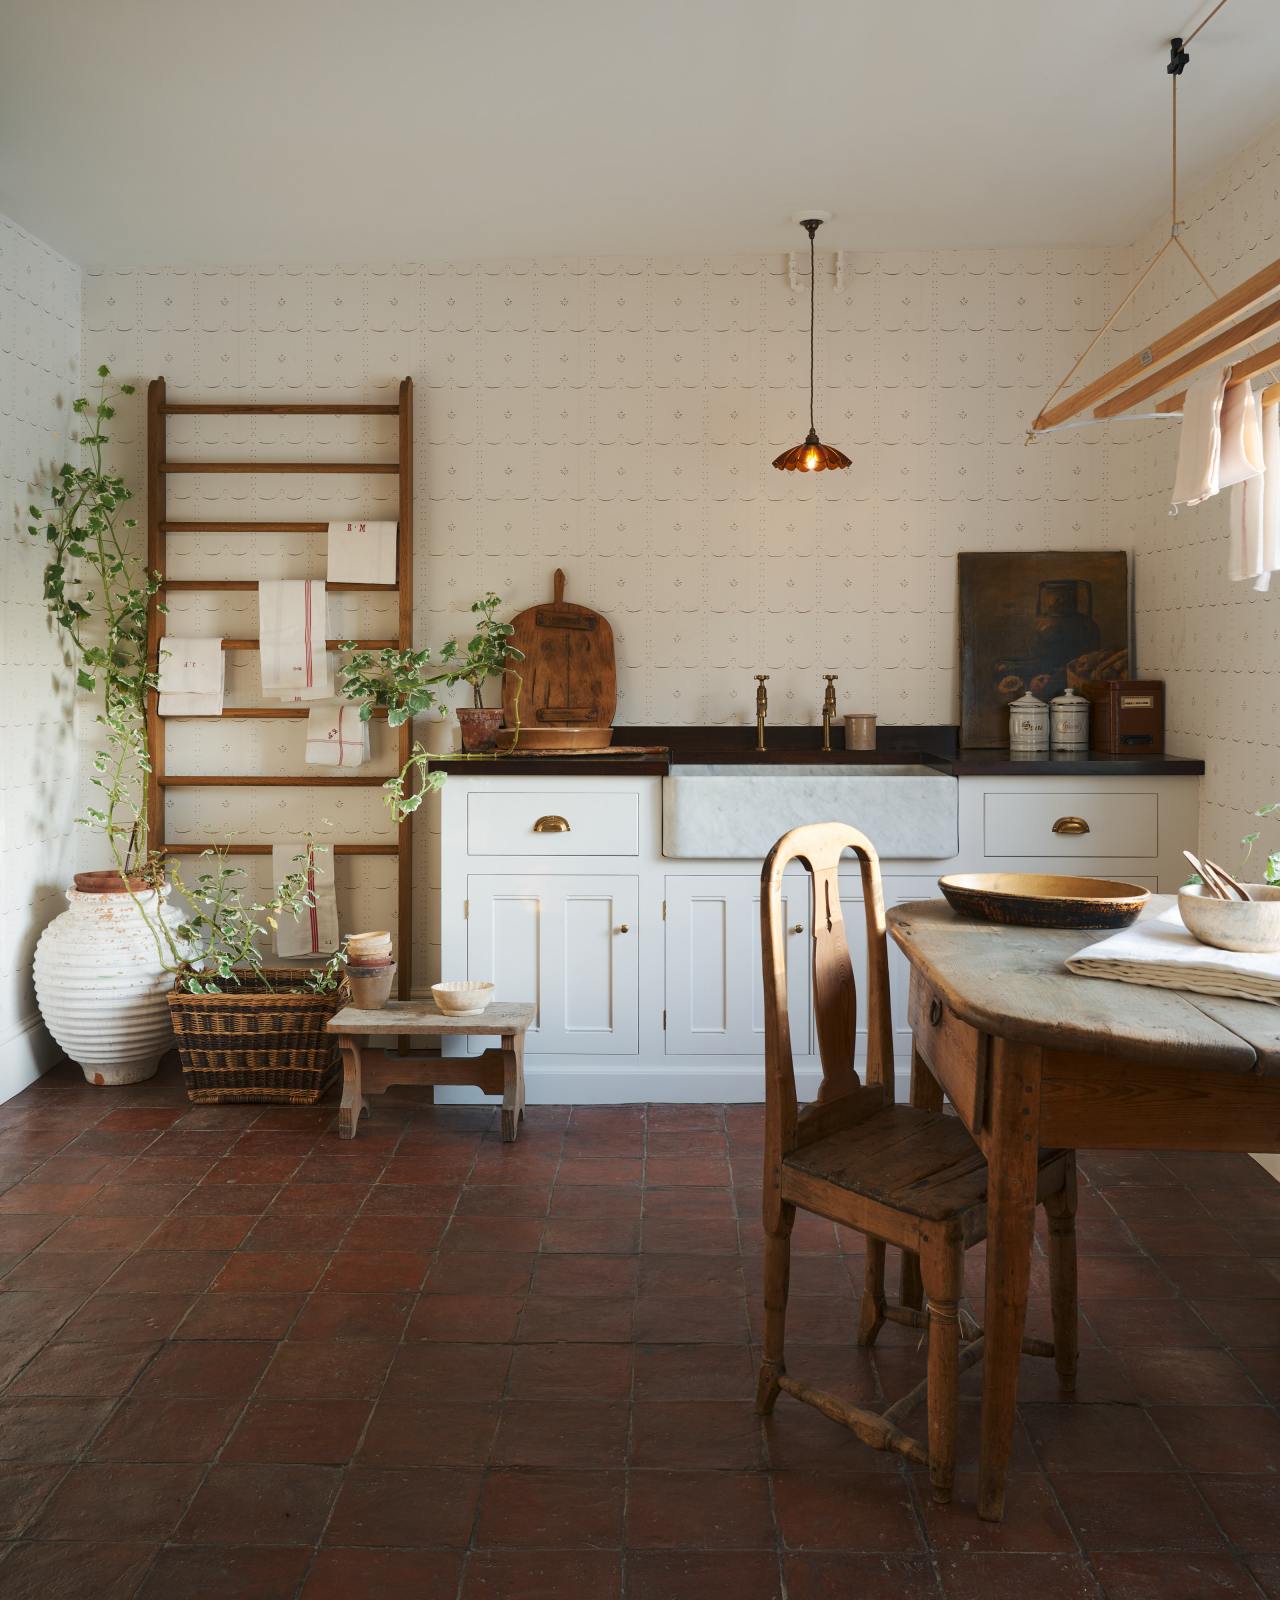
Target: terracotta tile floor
[243, 1360]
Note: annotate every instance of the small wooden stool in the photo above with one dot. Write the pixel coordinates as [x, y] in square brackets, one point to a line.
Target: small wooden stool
[365, 1071]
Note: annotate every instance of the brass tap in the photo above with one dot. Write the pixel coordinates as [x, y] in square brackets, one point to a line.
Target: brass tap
[762, 707]
[828, 708]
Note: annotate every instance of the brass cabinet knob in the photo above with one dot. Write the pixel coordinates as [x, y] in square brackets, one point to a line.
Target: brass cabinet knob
[551, 825]
[623, 928]
[797, 927]
[1071, 825]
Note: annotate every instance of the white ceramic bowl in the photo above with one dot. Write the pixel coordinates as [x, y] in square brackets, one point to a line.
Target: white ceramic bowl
[1249, 926]
[463, 998]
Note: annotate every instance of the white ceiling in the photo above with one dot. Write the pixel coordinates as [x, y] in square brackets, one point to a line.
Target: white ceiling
[183, 132]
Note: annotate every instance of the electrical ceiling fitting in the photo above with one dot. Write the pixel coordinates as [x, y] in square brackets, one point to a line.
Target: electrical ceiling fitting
[812, 455]
[1140, 376]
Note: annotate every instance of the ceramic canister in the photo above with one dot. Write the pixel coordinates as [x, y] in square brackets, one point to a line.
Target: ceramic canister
[1069, 721]
[1028, 724]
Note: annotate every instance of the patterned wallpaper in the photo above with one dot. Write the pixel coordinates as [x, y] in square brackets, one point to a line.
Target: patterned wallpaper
[1216, 643]
[618, 418]
[39, 366]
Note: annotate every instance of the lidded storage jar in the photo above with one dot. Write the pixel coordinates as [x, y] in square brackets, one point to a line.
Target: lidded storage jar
[1069, 721]
[1028, 724]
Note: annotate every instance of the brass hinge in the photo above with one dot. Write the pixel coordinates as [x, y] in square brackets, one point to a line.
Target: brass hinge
[664, 910]
[466, 910]
[664, 1020]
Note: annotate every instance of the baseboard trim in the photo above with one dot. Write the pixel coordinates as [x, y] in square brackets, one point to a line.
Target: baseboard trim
[26, 1053]
[596, 1084]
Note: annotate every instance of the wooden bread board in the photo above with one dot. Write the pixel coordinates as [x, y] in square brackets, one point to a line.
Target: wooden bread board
[568, 676]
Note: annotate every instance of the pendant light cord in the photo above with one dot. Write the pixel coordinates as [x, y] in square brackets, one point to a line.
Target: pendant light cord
[812, 228]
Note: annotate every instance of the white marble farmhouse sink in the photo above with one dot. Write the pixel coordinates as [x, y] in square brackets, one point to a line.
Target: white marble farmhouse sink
[739, 812]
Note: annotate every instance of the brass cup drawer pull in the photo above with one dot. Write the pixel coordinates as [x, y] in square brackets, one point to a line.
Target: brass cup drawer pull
[551, 825]
[1071, 825]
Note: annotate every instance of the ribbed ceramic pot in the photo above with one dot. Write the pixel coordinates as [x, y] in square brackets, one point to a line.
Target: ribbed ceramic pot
[100, 982]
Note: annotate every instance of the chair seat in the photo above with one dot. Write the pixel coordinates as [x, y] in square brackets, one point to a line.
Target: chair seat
[922, 1163]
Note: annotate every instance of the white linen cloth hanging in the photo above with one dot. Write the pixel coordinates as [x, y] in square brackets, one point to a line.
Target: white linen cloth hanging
[362, 552]
[1200, 441]
[192, 677]
[1254, 550]
[1240, 455]
[292, 622]
[314, 931]
[336, 737]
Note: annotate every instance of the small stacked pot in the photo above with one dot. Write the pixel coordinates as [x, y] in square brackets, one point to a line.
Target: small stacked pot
[370, 969]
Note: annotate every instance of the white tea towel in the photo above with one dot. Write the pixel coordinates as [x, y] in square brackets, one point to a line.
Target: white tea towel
[1200, 442]
[314, 931]
[292, 620]
[362, 552]
[336, 737]
[1159, 952]
[1254, 548]
[192, 677]
[1240, 457]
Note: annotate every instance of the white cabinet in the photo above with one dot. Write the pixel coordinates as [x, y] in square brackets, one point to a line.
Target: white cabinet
[896, 891]
[715, 999]
[568, 943]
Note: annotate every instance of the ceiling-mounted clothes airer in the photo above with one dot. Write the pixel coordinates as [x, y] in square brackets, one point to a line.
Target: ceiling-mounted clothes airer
[812, 455]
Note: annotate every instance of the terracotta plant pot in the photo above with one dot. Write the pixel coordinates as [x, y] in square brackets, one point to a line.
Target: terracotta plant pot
[479, 726]
[371, 986]
[100, 982]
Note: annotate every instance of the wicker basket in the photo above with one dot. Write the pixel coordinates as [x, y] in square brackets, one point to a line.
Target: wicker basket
[257, 1044]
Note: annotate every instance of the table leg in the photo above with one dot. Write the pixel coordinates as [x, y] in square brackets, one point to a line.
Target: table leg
[512, 1084]
[1012, 1148]
[926, 1093]
[353, 1101]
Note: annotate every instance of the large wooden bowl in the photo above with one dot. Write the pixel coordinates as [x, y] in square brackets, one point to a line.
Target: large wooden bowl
[1041, 900]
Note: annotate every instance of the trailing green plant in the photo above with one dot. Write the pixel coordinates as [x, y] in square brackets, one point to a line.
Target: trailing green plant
[405, 683]
[1271, 867]
[218, 942]
[97, 590]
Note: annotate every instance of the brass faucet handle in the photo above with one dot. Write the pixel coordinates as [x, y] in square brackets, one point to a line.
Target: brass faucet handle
[831, 677]
[762, 677]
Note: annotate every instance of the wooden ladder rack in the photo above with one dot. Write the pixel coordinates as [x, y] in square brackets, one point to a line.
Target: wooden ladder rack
[159, 469]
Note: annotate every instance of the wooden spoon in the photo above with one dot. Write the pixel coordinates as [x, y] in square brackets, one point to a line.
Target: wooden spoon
[1225, 876]
[1211, 883]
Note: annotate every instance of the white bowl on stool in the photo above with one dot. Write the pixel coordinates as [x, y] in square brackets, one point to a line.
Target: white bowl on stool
[463, 998]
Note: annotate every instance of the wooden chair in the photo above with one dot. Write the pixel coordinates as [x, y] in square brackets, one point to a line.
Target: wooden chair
[900, 1175]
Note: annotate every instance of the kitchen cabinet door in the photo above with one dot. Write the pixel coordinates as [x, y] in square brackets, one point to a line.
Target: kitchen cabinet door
[568, 943]
[715, 991]
[896, 891]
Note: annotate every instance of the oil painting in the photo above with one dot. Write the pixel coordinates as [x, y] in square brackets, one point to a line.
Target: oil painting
[1036, 621]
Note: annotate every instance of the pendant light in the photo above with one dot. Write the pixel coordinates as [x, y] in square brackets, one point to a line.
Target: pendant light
[812, 455]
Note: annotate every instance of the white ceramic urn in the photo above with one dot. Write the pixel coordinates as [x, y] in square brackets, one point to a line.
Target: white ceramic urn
[100, 981]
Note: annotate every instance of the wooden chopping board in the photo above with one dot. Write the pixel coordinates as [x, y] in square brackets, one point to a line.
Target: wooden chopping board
[568, 672]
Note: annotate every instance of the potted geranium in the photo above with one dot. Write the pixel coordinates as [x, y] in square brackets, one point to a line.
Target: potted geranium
[488, 654]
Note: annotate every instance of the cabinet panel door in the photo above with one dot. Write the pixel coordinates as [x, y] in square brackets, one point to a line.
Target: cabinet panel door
[558, 941]
[715, 991]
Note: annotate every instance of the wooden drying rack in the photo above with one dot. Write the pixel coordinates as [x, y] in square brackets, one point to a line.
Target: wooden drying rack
[1140, 376]
[159, 470]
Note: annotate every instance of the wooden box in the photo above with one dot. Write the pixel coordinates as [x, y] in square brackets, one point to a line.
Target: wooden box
[1127, 716]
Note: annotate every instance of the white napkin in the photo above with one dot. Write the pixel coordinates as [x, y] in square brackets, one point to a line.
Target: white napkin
[1240, 457]
[362, 552]
[292, 622]
[314, 931]
[336, 737]
[1200, 441]
[1159, 952]
[192, 676]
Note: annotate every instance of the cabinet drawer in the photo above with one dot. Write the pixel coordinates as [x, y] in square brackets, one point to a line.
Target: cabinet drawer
[594, 824]
[1024, 824]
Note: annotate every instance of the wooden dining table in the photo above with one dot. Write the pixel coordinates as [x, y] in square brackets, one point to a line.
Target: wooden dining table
[1031, 1055]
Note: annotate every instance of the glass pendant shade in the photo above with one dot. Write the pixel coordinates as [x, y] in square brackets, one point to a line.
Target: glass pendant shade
[812, 455]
